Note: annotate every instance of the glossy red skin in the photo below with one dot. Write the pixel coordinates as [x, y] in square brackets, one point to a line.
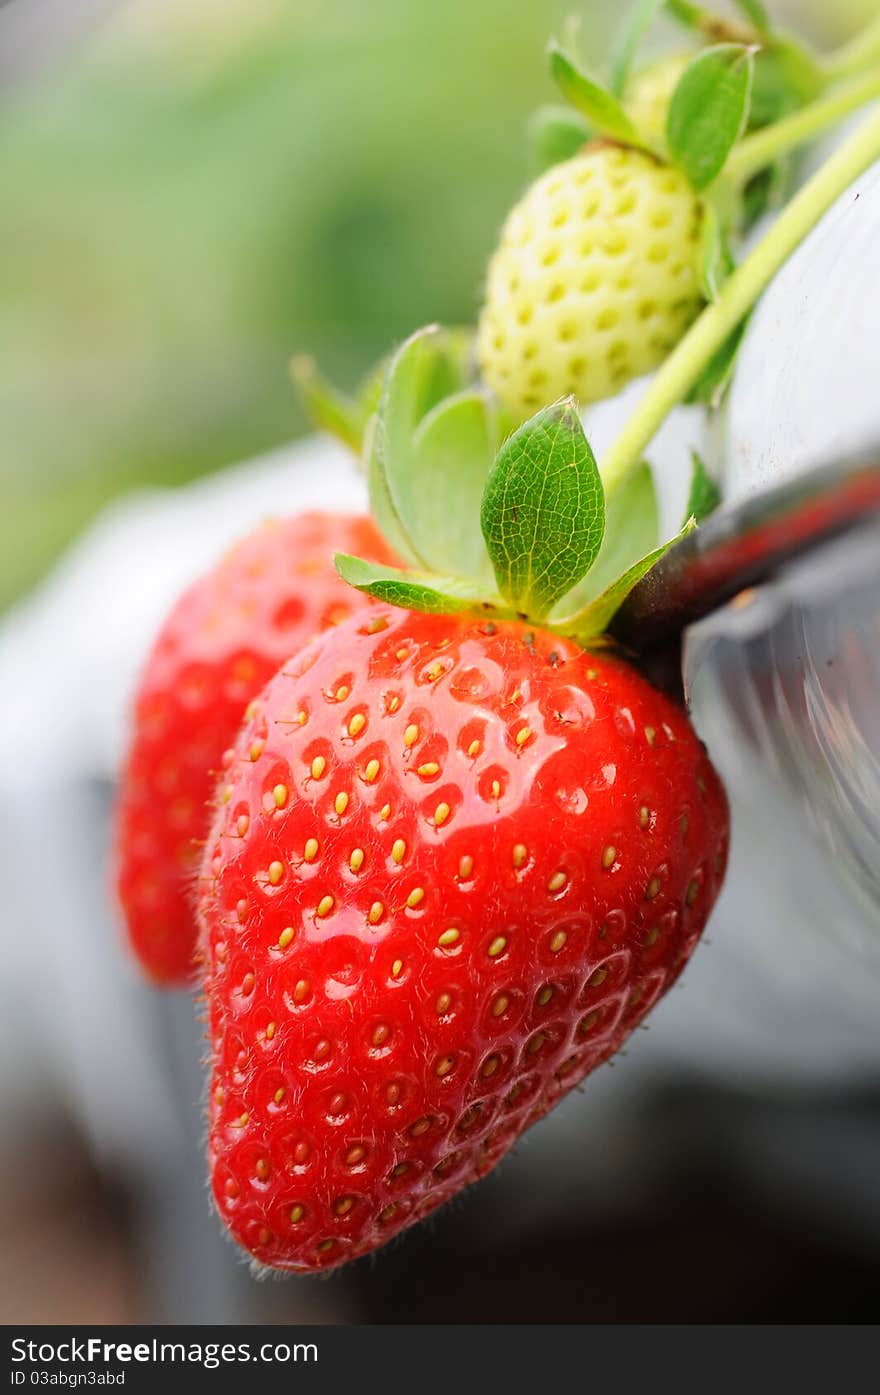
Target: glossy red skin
[391, 1097]
[222, 642]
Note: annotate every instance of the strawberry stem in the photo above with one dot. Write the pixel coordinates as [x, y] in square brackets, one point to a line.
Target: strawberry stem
[854, 57]
[758, 151]
[685, 364]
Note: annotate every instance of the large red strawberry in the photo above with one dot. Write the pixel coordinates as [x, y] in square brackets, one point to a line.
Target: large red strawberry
[460, 849]
[222, 641]
[455, 865]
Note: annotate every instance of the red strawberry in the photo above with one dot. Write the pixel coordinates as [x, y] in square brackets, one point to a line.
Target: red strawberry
[453, 866]
[221, 643]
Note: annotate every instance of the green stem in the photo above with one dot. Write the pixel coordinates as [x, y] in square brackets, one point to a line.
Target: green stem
[685, 364]
[854, 57]
[763, 148]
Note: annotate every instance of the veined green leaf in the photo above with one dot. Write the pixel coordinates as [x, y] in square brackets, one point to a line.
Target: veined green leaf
[426, 368]
[555, 133]
[436, 595]
[631, 530]
[636, 26]
[709, 110]
[595, 617]
[716, 262]
[603, 111]
[327, 407]
[543, 512]
[704, 495]
[453, 450]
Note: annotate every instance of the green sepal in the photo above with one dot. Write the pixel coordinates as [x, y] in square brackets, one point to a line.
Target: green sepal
[757, 15]
[428, 367]
[594, 618]
[603, 111]
[636, 26]
[704, 496]
[555, 133]
[433, 595]
[543, 511]
[325, 406]
[709, 111]
[632, 529]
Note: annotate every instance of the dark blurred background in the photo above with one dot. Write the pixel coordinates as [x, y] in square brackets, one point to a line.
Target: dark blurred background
[192, 190]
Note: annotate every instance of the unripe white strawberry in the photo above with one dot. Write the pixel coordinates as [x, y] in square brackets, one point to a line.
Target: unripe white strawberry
[595, 279]
[649, 93]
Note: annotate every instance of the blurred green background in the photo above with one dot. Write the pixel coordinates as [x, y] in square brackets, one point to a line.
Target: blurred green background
[194, 189]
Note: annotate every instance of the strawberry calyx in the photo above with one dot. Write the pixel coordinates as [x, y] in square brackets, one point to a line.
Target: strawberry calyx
[513, 523]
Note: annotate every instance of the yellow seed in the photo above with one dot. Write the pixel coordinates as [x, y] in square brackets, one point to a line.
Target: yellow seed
[429, 768]
[397, 968]
[498, 946]
[270, 1031]
[279, 794]
[474, 748]
[301, 991]
[490, 1065]
[242, 824]
[310, 851]
[557, 881]
[226, 795]
[536, 1043]
[691, 893]
[411, 735]
[496, 789]
[520, 855]
[319, 765]
[385, 813]
[650, 734]
[401, 654]
[609, 856]
[324, 1246]
[441, 814]
[523, 735]
[400, 1170]
[500, 1005]
[557, 941]
[443, 1004]
[419, 1127]
[398, 850]
[296, 1214]
[257, 748]
[465, 867]
[416, 895]
[597, 977]
[449, 937]
[356, 861]
[241, 1120]
[341, 693]
[381, 1034]
[276, 872]
[545, 995]
[285, 937]
[434, 671]
[279, 1094]
[357, 724]
[684, 825]
[325, 905]
[393, 703]
[371, 771]
[247, 983]
[644, 816]
[262, 1169]
[652, 936]
[302, 717]
[340, 803]
[355, 1155]
[444, 1065]
[652, 889]
[376, 912]
[587, 1023]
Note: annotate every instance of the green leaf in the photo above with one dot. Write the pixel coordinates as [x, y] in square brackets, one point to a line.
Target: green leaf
[704, 495]
[327, 407]
[555, 133]
[631, 530]
[755, 12]
[426, 368]
[603, 111]
[543, 513]
[435, 595]
[638, 22]
[453, 450]
[716, 262]
[595, 617]
[709, 110]
[712, 383]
